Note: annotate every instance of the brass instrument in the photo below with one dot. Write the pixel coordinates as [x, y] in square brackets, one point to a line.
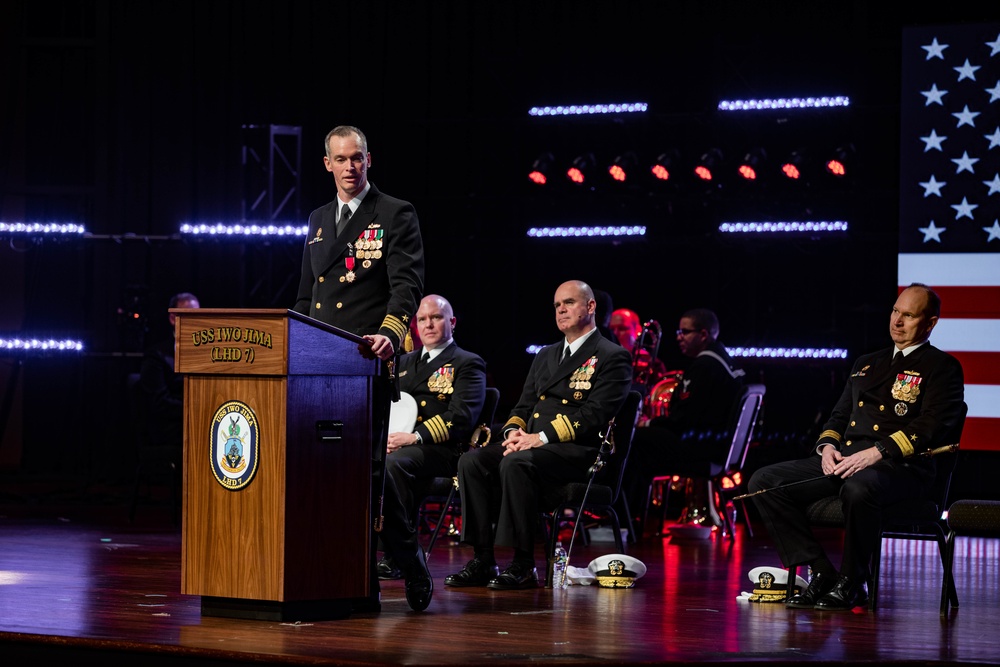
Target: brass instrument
[648, 374]
[644, 354]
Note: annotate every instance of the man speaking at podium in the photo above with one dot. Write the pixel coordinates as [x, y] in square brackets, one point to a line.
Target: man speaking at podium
[363, 272]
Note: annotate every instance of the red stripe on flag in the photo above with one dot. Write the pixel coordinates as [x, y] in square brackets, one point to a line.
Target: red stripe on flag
[979, 367]
[982, 302]
[980, 433]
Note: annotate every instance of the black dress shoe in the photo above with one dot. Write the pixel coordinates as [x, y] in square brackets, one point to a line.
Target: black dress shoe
[819, 585]
[476, 572]
[516, 577]
[847, 594]
[387, 569]
[419, 585]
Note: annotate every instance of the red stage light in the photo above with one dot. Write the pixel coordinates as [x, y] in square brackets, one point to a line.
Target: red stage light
[836, 167]
[617, 173]
[537, 177]
[747, 172]
[660, 172]
[575, 175]
[703, 172]
[790, 170]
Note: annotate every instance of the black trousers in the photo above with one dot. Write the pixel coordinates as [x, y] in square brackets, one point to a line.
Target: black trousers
[864, 495]
[409, 472]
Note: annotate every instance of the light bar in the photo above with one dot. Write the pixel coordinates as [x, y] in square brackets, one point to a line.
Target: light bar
[39, 345]
[589, 109]
[787, 352]
[244, 229]
[587, 232]
[782, 227]
[41, 228]
[783, 103]
[764, 352]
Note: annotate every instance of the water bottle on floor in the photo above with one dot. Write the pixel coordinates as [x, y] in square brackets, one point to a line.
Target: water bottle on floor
[559, 567]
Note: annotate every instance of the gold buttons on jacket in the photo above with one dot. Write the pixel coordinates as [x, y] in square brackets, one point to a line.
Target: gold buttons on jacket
[848, 443]
[423, 404]
[875, 427]
[853, 423]
[340, 304]
[321, 279]
[564, 401]
[881, 408]
[541, 398]
[536, 415]
[318, 305]
[861, 404]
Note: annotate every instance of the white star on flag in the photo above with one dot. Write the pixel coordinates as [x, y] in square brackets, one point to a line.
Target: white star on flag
[932, 232]
[962, 265]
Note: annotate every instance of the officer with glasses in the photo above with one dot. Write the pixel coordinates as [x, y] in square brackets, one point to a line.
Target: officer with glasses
[700, 406]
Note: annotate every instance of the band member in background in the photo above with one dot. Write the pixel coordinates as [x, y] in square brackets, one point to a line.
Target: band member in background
[448, 385]
[701, 403]
[552, 437]
[897, 403]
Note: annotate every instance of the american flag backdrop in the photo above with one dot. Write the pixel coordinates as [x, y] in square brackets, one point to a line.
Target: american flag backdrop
[949, 231]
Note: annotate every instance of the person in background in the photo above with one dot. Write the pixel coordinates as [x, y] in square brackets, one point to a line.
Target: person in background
[701, 404]
[161, 391]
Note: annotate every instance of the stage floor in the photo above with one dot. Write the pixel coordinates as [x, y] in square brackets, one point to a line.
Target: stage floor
[78, 585]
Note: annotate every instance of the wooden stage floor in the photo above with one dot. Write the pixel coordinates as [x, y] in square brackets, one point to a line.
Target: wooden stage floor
[81, 585]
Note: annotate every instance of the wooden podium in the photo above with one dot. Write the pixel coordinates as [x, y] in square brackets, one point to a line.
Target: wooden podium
[277, 521]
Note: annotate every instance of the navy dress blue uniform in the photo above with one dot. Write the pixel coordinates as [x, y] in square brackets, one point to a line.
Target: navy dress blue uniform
[449, 391]
[907, 408]
[370, 277]
[571, 403]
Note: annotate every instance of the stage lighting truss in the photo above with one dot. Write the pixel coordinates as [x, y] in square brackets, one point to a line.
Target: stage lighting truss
[541, 169]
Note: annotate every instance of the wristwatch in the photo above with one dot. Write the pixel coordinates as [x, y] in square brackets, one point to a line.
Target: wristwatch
[880, 448]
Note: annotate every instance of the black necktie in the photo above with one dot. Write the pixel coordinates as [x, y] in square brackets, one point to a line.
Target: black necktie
[345, 215]
[565, 355]
[897, 360]
[424, 358]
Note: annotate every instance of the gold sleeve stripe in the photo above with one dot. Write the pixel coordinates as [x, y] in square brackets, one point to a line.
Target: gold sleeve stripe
[515, 422]
[903, 443]
[438, 429]
[396, 325]
[564, 428]
[830, 434]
